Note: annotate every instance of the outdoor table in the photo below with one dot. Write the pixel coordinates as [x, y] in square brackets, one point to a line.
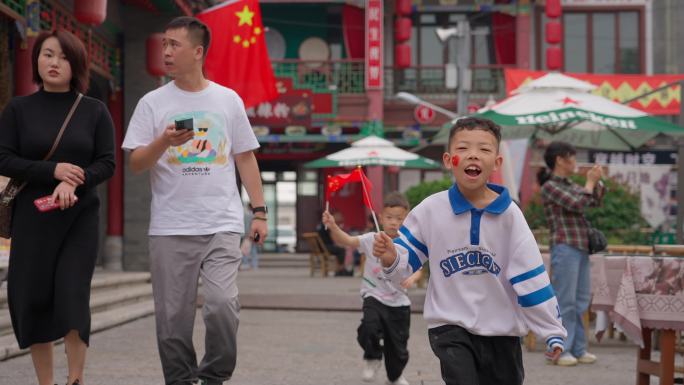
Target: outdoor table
[642, 294]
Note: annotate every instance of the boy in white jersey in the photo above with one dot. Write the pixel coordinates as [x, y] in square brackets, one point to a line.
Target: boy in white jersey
[386, 307]
[488, 285]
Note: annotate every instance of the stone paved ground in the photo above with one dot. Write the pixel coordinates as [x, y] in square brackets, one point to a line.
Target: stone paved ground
[302, 347]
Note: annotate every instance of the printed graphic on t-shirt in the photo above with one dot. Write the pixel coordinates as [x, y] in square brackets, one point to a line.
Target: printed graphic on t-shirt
[377, 278]
[470, 262]
[206, 148]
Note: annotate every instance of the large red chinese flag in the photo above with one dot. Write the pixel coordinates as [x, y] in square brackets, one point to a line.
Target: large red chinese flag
[237, 56]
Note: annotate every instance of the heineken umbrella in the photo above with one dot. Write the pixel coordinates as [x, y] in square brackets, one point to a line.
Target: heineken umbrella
[374, 151]
[559, 107]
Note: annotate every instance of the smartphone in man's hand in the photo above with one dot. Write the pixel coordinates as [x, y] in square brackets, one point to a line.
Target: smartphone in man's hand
[184, 124]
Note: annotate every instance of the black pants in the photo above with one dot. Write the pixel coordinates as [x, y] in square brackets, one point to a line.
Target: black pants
[469, 359]
[391, 325]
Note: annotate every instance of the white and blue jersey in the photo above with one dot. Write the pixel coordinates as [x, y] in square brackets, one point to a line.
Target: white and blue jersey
[486, 271]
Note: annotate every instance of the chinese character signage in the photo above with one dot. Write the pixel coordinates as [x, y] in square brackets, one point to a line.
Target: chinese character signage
[633, 158]
[292, 107]
[284, 111]
[374, 62]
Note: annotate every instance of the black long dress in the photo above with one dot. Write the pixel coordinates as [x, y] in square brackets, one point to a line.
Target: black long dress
[52, 254]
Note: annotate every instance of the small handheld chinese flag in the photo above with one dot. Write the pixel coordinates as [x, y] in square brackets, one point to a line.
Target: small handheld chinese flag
[336, 182]
[237, 57]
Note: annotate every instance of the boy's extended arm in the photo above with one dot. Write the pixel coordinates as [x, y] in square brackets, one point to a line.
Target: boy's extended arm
[337, 234]
[341, 238]
[527, 275]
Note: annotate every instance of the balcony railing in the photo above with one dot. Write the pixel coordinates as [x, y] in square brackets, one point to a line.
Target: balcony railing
[338, 76]
[347, 77]
[486, 80]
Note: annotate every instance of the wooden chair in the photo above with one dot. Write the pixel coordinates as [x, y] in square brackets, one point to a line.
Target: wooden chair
[320, 257]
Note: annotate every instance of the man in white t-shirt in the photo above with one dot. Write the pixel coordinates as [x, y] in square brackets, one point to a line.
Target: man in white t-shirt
[191, 134]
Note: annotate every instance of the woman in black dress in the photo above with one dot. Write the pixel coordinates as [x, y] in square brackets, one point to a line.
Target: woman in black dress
[52, 256]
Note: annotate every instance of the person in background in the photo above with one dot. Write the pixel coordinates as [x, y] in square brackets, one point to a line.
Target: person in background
[340, 253]
[53, 253]
[565, 203]
[196, 219]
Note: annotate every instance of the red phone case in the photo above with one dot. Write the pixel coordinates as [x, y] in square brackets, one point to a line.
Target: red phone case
[45, 204]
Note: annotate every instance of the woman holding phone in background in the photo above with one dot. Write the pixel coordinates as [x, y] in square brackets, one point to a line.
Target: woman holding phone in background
[53, 253]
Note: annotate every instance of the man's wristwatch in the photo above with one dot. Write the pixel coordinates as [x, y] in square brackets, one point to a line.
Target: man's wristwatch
[260, 209]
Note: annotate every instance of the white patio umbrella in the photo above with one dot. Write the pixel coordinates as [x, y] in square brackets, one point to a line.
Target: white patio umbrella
[374, 151]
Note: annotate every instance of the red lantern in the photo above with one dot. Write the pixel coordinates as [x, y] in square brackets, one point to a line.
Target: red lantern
[553, 9]
[155, 55]
[554, 58]
[92, 12]
[402, 55]
[402, 29]
[554, 32]
[403, 7]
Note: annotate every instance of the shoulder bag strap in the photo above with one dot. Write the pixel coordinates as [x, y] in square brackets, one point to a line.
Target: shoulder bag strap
[66, 122]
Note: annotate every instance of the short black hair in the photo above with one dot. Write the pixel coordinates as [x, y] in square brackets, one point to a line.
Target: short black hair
[474, 123]
[75, 52]
[396, 199]
[197, 31]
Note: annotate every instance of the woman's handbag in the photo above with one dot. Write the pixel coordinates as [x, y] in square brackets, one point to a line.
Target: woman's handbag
[14, 187]
[597, 240]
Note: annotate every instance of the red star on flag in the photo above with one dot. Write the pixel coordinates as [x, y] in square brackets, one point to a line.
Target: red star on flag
[568, 100]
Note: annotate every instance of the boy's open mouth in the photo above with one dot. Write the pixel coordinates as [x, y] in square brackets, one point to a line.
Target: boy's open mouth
[473, 171]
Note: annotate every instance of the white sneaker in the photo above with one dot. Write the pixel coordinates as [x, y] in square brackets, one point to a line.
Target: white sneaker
[399, 381]
[567, 359]
[369, 369]
[587, 358]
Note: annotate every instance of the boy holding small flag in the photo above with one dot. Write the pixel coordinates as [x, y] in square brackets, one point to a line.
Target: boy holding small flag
[386, 307]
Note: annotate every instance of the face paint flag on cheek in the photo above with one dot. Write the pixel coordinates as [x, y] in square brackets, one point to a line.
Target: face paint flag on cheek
[454, 160]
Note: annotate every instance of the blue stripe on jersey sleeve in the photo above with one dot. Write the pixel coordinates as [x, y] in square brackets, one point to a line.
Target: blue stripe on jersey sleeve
[415, 242]
[536, 297]
[527, 275]
[414, 261]
[556, 340]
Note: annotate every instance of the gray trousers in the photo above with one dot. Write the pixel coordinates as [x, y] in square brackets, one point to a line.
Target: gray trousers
[176, 263]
